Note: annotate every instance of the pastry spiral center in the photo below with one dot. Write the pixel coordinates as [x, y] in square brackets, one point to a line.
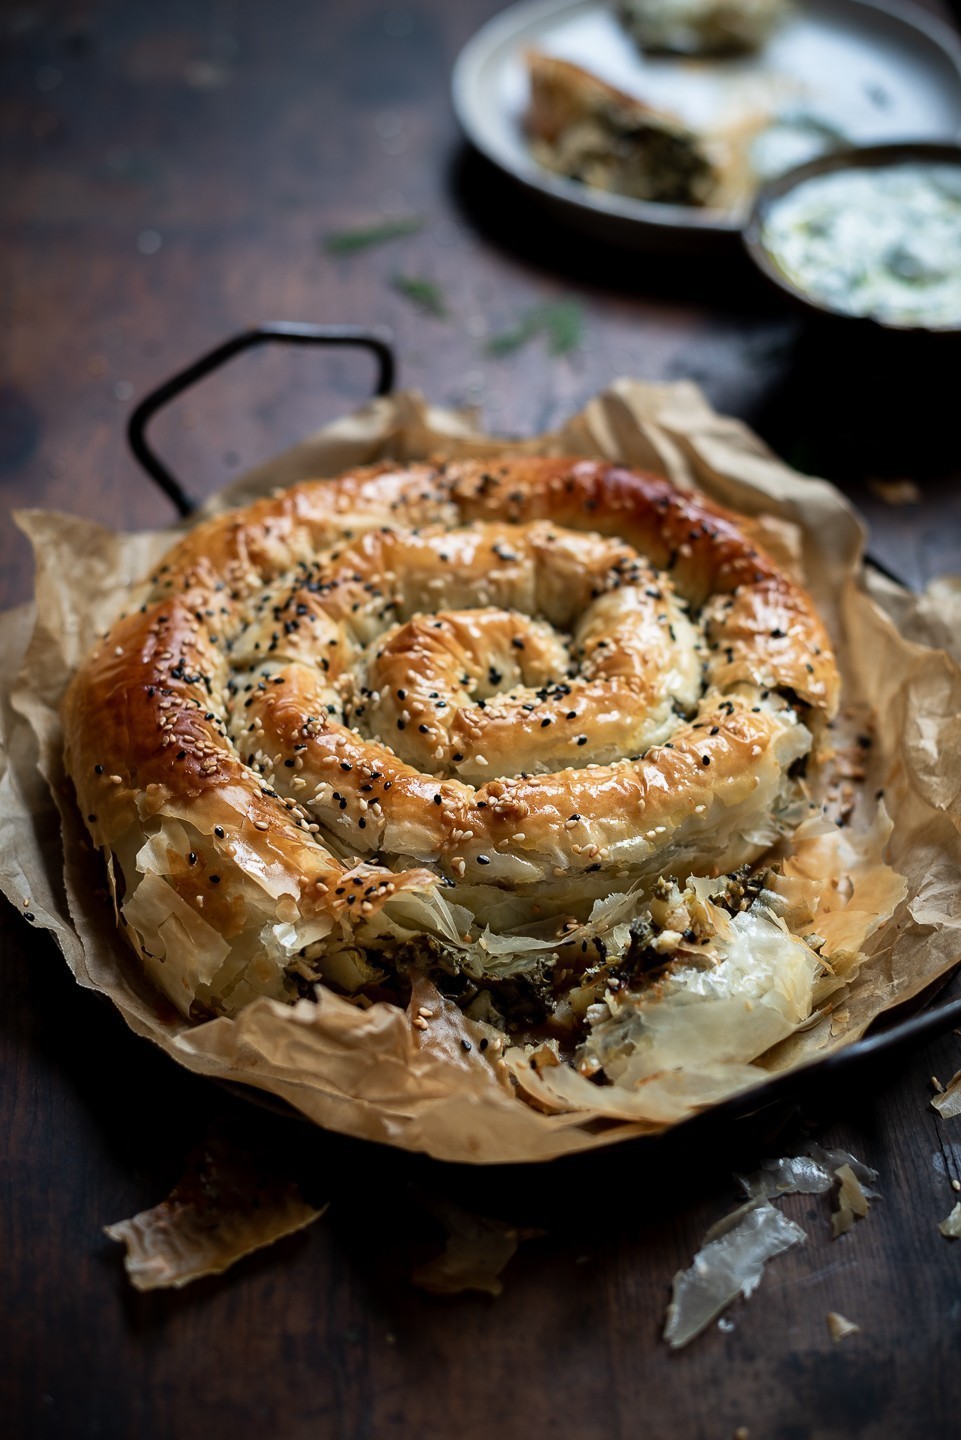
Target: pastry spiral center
[424, 694]
[484, 651]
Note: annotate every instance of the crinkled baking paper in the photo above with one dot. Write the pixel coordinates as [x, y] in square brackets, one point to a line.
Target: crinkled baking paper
[370, 1073]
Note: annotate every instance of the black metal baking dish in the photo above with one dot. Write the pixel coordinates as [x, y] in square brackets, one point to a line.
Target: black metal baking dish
[897, 1030]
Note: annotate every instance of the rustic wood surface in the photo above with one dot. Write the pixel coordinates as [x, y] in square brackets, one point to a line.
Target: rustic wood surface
[168, 174]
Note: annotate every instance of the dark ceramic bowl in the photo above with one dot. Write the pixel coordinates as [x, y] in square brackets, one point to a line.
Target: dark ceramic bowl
[864, 158]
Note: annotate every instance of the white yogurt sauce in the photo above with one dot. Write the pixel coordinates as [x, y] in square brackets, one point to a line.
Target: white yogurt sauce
[884, 242]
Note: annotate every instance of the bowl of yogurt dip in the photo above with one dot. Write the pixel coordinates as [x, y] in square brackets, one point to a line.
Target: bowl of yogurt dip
[870, 235]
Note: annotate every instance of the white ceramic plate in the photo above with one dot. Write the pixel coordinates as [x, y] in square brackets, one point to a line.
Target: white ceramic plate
[854, 70]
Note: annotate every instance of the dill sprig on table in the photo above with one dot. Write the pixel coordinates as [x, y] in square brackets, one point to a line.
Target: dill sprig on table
[346, 242]
[425, 295]
[561, 321]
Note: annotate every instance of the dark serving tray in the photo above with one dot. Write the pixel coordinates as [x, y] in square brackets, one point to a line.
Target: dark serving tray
[902, 1027]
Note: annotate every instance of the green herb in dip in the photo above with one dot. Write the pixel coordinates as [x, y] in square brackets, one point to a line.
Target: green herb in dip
[884, 242]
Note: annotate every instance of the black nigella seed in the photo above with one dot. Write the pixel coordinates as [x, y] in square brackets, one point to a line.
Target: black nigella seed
[215, 879]
[705, 759]
[545, 722]
[582, 739]
[98, 769]
[192, 858]
[483, 860]
[219, 831]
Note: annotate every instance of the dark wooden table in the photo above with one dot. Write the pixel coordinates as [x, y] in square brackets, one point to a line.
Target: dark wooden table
[167, 177]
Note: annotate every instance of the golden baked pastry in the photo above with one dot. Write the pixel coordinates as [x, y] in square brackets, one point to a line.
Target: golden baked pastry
[702, 27]
[584, 128]
[485, 717]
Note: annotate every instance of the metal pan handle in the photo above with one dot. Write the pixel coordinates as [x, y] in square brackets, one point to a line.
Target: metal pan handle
[283, 331]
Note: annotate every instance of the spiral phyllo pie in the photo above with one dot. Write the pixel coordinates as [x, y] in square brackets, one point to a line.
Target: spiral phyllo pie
[494, 719]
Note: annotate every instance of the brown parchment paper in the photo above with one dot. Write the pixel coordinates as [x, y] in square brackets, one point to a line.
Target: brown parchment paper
[370, 1073]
